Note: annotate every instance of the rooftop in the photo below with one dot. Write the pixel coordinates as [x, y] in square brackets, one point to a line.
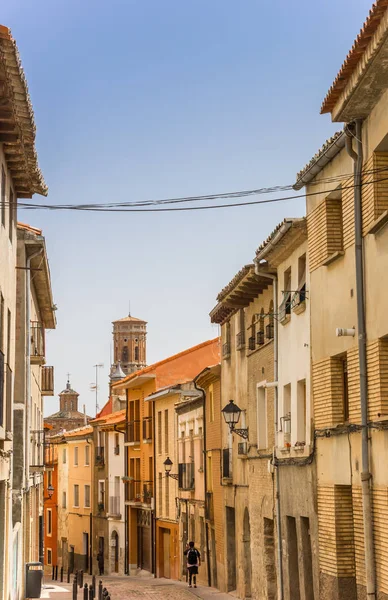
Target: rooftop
[325, 154]
[130, 319]
[285, 238]
[18, 127]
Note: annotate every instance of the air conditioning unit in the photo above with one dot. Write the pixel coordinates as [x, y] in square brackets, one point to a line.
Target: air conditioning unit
[242, 449]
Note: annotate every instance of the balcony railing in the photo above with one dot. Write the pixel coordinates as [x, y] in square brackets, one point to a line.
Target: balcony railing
[147, 429]
[100, 456]
[240, 340]
[49, 455]
[37, 352]
[37, 449]
[186, 478]
[147, 492]
[226, 466]
[252, 343]
[260, 338]
[226, 350]
[269, 331]
[133, 432]
[133, 491]
[209, 507]
[114, 505]
[47, 381]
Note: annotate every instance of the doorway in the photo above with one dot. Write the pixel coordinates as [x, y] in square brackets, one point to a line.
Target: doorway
[247, 555]
[115, 552]
[166, 553]
[231, 547]
[85, 550]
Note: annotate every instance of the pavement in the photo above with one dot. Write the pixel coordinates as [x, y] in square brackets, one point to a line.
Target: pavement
[136, 588]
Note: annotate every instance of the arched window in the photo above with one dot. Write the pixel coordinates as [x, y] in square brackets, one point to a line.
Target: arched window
[124, 354]
[136, 353]
[270, 326]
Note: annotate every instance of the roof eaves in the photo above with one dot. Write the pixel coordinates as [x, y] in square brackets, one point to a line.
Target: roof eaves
[325, 154]
[277, 235]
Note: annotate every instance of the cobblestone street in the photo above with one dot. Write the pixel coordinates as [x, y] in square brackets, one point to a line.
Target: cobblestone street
[128, 588]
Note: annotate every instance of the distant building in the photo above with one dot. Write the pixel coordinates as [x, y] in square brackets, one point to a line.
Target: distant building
[129, 343]
[68, 417]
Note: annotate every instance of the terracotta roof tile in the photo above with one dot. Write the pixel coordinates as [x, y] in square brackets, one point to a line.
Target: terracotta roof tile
[236, 279]
[112, 418]
[29, 228]
[349, 65]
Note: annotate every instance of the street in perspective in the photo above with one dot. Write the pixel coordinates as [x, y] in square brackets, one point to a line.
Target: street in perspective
[194, 403]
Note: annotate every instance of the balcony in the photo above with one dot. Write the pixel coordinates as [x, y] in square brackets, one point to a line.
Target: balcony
[100, 456]
[260, 338]
[147, 492]
[114, 506]
[133, 490]
[226, 350]
[186, 477]
[37, 350]
[269, 331]
[147, 430]
[209, 507]
[37, 450]
[133, 432]
[240, 340]
[47, 381]
[226, 463]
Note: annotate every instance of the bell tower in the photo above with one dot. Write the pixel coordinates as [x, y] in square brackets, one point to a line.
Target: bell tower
[129, 342]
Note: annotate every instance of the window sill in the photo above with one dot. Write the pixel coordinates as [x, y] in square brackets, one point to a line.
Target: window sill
[330, 259]
[380, 222]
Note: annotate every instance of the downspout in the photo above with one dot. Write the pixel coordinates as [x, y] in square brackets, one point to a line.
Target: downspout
[276, 421]
[28, 365]
[370, 567]
[202, 392]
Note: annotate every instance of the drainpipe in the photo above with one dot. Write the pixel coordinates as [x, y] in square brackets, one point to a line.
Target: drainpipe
[276, 420]
[28, 364]
[202, 392]
[357, 157]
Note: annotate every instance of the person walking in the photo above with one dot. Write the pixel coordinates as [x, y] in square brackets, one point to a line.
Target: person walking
[100, 562]
[193, 559]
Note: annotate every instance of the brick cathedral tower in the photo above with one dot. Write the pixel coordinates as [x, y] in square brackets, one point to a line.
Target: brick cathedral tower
[129, 342]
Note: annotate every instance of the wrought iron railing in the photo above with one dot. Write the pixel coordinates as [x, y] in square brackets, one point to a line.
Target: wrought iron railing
[133, 432]
[260, 338]
[114, 505]
[186, 477]
[252, 343]
[269, 331]
[37, 340]
[147, 429]
[100, 456]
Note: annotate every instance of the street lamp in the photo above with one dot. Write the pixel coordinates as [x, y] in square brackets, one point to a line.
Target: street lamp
[167, 468]
[50, 492]
[232, 414]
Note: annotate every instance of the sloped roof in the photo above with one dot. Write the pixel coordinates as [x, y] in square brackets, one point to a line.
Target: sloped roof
[129, 319]
[106, 409]
[180, 367]
[360, 44]
[284, 239]
[17, 117]
[111, 419]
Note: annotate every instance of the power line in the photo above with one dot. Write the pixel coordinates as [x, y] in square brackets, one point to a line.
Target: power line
[146, 206]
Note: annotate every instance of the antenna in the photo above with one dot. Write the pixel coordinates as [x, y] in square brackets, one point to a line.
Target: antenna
[98, 366]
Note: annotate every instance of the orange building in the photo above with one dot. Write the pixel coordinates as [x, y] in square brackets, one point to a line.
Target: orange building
[50, 496]
[140, 493]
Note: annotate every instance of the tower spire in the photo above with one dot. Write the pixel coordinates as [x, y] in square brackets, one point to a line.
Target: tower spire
[129, 308]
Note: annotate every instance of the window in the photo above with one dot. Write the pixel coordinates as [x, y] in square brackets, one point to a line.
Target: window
[260, 333]
[209, 473]
[87, 455]
[160, 493]
[3, 184]
[262, 429]
[166, 431]
[101, 493]
[49, 522]
[211, 403]
[167, 496]
[63, 499]
[302, 277]
[49, 556]
[285, 307]
[201, 453]
[49, 477]
[124, 354]
[286, 418]
[64, 456]
[269, 330]
[11, 209]
[159, 432]
[301, 412]
[117, 444]
[240, 338]
[252, 338]
[76, 456]
[76, 495]
[191, 439]
[136, 353]
[345, 389]
[226, 344]
[87, 496]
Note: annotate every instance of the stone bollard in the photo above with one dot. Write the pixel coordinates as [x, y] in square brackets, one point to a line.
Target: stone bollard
[53, 575]
[86, 592]
[61, 574]
[81, 579]
[91, 596]
[75, 589]
[68, 575]
[100, 590]
[94, 585]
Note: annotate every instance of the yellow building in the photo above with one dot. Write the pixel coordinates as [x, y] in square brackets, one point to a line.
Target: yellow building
[75, 452]
[347, 213]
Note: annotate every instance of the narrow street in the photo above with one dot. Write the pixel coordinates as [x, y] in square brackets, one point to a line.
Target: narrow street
[142, 588]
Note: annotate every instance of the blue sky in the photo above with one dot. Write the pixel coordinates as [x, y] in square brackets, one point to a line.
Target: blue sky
[143, 99]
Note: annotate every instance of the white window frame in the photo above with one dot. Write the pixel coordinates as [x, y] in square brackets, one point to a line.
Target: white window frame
[262, 421]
